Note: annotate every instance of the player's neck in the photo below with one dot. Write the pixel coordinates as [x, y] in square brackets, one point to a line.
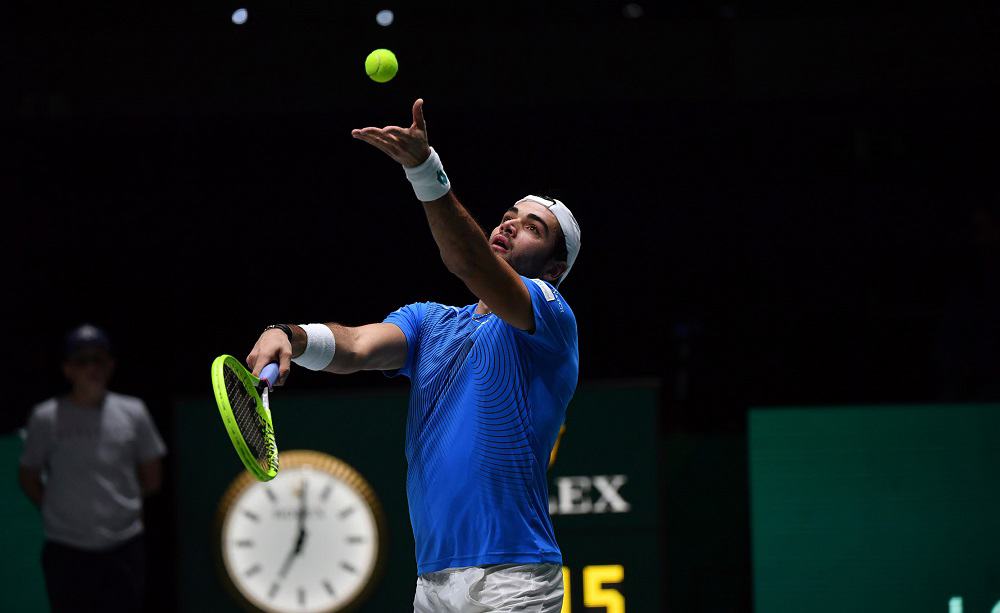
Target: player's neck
[87, 398]
[482, 308]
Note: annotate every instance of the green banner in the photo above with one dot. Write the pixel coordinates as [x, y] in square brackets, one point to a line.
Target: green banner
[877, 509]
[23, 585]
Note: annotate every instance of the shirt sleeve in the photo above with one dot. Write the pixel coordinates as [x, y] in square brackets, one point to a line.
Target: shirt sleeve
[38, 441]
[148, 443]
[555, 324]
[408, 319]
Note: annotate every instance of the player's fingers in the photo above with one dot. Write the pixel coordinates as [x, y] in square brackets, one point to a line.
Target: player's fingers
[264, 357]
[418, 115]
[364, 133]
[383, 143]
[252, 357]
[385, 136]
[367, 132]
[413, 147]
[380, 143]
[367, 137]
[284, 367]
[398, 132]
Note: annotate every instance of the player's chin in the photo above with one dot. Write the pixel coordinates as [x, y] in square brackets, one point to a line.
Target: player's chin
[504, 253]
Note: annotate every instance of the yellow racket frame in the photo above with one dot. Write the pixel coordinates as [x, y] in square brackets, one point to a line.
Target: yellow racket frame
[264, 471]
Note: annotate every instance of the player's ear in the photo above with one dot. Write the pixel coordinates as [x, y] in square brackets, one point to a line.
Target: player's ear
[553, 270]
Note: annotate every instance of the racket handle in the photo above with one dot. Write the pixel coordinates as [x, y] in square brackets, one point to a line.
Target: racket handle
[270, 374]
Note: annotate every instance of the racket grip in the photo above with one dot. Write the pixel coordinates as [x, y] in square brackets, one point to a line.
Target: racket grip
[269, 374]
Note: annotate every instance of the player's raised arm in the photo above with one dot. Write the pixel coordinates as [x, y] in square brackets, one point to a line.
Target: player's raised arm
[463, 245]
[330, 347]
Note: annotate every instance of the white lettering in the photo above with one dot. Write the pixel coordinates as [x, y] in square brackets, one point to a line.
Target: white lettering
[955, 605]
[575, 495]
[572, 492]
[608, 487]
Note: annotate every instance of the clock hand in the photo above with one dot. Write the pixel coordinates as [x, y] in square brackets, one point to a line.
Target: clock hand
[300, 537]
[299, 541]
[302, 520]
[286, 564]
[294, 553]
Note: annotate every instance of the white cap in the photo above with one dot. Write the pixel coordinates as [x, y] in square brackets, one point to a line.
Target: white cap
[571, 229]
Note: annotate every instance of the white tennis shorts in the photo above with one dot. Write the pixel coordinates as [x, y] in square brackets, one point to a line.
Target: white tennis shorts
[504, 588]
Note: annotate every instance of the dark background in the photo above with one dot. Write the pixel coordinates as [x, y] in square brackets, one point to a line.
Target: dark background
[780, 204]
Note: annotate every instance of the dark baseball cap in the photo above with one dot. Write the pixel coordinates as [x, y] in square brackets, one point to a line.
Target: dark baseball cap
[87, 336]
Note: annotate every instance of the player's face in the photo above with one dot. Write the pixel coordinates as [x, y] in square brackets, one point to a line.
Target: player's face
[526, 239]
[89, 369]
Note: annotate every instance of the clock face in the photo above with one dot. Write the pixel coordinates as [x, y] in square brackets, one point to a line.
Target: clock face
[308, 540]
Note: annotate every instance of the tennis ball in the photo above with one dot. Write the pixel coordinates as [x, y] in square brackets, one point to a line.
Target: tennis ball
[381, 65]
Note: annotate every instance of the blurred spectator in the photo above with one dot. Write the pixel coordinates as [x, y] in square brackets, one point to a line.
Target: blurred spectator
[89, 458]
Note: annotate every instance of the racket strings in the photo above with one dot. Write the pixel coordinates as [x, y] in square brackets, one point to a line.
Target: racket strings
[251, 426]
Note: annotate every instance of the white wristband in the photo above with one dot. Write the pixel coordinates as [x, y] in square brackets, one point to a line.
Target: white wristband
[428, 179]
[320, 347]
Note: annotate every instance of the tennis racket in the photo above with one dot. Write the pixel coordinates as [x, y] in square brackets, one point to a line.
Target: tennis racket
[246, 413]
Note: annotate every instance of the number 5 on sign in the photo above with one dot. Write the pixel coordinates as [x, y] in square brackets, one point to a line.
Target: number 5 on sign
[594, 593]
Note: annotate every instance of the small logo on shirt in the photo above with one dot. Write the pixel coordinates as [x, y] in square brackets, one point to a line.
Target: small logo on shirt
[546, 290]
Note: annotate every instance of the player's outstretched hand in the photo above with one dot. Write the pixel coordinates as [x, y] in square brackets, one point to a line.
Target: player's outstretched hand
[272, 346]
[408, 146]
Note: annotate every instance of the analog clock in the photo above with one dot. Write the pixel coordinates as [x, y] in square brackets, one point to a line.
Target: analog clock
[310, 540]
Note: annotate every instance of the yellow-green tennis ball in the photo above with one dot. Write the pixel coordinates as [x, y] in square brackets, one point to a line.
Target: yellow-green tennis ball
[381, 65]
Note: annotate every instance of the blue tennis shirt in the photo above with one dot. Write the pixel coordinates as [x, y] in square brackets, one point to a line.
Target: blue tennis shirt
[486, 404]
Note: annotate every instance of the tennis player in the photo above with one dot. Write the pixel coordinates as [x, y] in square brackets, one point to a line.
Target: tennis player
[490, 385]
